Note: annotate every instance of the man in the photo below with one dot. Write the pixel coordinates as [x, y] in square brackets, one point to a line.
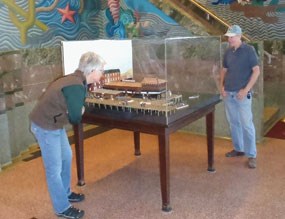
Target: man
[238, 75]
[63, 103]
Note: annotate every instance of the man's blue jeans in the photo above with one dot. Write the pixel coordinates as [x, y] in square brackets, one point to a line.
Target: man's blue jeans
[239, 116]
[57, 157]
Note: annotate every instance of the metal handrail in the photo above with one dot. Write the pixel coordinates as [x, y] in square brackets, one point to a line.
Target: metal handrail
[174, 4]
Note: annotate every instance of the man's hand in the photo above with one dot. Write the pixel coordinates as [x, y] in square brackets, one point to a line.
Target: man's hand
[241, 94]
[223, 92]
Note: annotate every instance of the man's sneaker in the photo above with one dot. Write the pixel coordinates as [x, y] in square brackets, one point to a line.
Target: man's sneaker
[252, 162]
[76, 197]
[234, 153]
[71, 213]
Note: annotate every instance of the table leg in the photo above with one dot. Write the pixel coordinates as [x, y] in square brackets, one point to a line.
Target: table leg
[137, 143]
[210, 140]
[78, 138]
[164, 171]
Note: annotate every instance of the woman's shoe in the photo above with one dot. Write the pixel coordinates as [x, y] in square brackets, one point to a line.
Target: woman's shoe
[76, 197]
[71, 213]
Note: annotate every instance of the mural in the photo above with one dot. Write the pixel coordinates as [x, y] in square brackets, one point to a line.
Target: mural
[260, 19]
[45, 23]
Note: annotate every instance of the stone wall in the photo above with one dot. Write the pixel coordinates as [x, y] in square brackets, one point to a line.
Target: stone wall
[24, 75]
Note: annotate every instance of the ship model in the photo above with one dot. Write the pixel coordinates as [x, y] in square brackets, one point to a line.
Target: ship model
[149, 96]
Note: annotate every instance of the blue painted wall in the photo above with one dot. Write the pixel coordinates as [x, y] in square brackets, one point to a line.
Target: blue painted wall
[45, 23]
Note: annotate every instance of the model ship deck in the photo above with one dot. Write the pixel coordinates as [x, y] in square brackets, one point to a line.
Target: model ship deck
[147, 85]
[122, 85]
[139, 105]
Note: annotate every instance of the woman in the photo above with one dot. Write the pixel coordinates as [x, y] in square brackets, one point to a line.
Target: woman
[63, 103]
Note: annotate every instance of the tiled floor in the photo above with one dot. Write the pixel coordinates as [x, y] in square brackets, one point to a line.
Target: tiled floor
[122, 186]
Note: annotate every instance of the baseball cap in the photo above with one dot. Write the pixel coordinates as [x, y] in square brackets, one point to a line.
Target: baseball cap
[233, 31]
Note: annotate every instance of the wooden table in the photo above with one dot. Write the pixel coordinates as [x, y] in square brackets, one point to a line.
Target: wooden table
[162, 126]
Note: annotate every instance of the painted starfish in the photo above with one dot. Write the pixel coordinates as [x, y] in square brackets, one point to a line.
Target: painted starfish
[67, 14]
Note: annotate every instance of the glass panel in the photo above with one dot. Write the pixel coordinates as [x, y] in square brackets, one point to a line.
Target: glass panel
[171, 78]
[274, 82]
[192, 66]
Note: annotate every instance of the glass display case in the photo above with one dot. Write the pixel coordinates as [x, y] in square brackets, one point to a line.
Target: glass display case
[170, 78]
[174, 83]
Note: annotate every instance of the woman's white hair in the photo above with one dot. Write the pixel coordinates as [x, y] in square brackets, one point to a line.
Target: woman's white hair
[89, 62]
